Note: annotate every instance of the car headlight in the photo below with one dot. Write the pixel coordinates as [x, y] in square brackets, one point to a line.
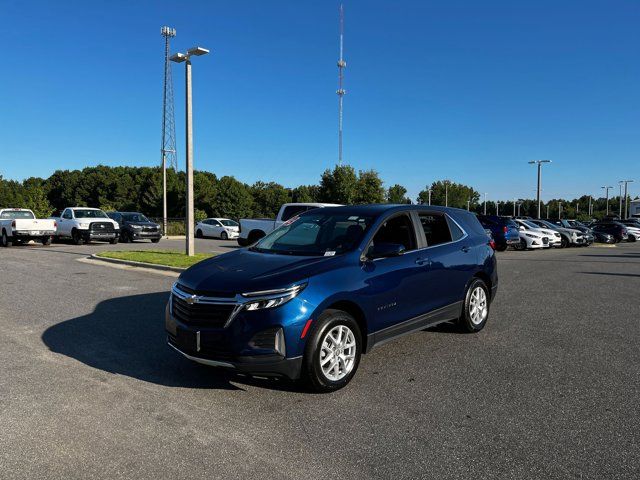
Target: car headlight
[83, 225]
[136, 227]
[531, 236]
[271, 298]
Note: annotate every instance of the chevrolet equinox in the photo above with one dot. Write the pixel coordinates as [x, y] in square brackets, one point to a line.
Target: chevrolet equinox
[308, 299]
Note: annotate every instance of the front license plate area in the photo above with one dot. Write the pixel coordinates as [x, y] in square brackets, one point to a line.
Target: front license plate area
[188, 340]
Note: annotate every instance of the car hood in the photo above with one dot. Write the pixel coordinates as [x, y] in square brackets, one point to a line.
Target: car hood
[244, 271]
[569, 231]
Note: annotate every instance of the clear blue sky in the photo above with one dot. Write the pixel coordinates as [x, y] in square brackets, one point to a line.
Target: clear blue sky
[464, 90]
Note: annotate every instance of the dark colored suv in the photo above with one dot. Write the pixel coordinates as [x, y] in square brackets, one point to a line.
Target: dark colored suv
[135, 226]
[504, 230]
[617, 230]
[308, 299]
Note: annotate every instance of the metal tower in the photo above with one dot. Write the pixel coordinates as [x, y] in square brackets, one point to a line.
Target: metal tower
[341, 92]
[168, 147]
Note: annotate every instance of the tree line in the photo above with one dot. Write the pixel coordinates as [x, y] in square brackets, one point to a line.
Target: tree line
[140, 189]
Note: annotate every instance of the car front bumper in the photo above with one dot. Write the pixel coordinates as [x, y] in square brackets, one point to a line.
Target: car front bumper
[145, 235]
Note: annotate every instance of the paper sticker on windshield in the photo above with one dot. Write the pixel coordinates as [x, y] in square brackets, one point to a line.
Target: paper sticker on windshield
[329, 253]
[290, 221]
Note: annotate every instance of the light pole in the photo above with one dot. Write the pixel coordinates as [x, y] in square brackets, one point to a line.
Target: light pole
[179, 58]
[519, 203]
[497, 208]
[468, 204]
[559, 210]
[626, 198]
[485, 203]
[590, 207]
[607, 197]
[548, 210]
[429, 197]
[539, 163]
[620, 198]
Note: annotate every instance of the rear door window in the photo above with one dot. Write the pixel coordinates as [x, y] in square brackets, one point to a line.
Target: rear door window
[456, 231]
[436, 228]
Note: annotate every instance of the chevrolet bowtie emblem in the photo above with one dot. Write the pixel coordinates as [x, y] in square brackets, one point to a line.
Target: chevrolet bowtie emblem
[192, 299]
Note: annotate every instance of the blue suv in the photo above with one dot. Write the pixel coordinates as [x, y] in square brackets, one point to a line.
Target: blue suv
[503, 229]
[308, 299]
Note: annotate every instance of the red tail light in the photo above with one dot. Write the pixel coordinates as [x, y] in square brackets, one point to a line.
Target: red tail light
[55, 224]
[505, 229]
[492, 244]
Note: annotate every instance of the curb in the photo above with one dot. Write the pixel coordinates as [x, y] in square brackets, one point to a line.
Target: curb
[131, 263]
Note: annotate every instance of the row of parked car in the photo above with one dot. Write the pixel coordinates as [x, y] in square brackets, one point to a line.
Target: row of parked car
[525, 233]
[79, 224]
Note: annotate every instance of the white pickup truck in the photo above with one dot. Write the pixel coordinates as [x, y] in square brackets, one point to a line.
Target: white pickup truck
[19, 225]
[252, 230]
[83, 225]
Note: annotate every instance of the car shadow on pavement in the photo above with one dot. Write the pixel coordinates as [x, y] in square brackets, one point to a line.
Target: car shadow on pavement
[126, 336]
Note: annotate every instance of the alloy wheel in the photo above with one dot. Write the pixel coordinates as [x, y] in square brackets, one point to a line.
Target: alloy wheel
[337, 353]
[478, 307]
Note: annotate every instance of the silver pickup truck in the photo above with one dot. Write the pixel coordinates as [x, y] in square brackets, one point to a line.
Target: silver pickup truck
[18, 225]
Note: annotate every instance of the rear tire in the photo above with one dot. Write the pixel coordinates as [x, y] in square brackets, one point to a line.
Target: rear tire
[501, 248]
[522, 245]
[46, 241]
[6, 242]
[336, 335]
[255, 236]
[476, 307]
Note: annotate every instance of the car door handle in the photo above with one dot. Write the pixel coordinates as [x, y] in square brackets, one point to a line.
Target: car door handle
[423, 261]
[465, 249]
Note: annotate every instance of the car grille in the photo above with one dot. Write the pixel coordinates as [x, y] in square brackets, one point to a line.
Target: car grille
[102, 227]
[149, 229]
[212, 315]
[545, 240]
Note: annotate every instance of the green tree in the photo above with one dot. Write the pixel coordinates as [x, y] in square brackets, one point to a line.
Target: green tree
[338, 185]
[369, 187]
[397, 194]
[457, 194]
[305, 194]
[268, 197]
[233, 199]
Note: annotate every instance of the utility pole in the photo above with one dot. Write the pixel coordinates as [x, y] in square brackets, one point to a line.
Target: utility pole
[548, 210]
[468, 204]
[519, 204]
[626, 198]
[190, 224]
[446, 193]
[539, 163]
[590, 207]
[620, 197]
[514, 207]
[341, 91]
[485, 203]
[168, 147]
[497, 208]
[607, 196]
[429, 197]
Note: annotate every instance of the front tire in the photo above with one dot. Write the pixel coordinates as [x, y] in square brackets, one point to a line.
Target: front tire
[199, 233]
[114, 241]
[155, 240]
[77, 237]
[564, 243]
[224, 236]
[476, 307]
[332, 353]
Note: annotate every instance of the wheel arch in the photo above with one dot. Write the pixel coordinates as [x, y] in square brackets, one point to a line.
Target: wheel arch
[357, 313]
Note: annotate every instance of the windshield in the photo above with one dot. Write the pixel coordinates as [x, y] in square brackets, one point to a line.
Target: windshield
[317, 234]
[530, 224]
[79, 213]
[16, 214]
[229, 223]
[134, 217]
[546, 224]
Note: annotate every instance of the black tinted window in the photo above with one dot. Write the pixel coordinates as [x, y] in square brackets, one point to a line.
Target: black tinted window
[293, 210]
[398, 230]
[436, 229]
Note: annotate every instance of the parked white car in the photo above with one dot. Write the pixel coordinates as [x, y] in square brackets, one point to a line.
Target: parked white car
[19, 225]
[223, 228]
[555, 239]
[84, 225]
[252, 230]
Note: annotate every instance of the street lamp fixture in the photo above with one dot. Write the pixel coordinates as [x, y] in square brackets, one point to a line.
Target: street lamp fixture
[539, 163]
[626, 198]
[190, 224]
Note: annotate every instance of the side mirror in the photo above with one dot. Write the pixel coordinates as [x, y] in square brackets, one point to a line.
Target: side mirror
[385, 250]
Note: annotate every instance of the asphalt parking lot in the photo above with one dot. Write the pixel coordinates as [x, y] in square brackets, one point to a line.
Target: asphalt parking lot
[549, 389]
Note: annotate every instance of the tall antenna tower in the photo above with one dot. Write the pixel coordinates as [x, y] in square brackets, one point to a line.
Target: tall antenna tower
[341, 92]
[168, 148]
